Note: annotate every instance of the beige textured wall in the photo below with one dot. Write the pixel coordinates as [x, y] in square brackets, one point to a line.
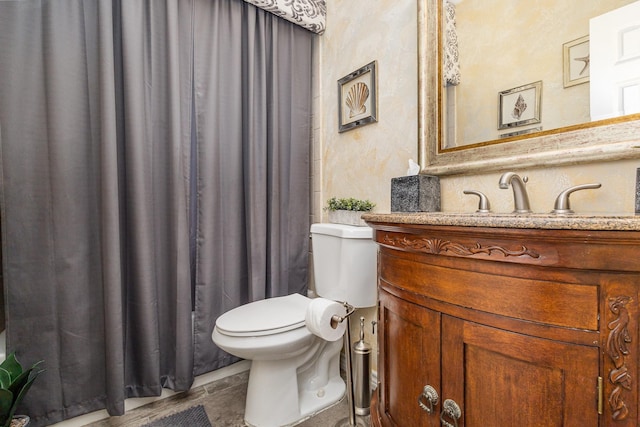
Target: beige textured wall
[360, 163]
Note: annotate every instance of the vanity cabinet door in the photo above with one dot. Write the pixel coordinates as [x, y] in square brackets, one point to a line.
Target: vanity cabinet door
[409, 349]
[502, 378]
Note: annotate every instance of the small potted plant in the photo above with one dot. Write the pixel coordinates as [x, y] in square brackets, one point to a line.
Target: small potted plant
[14, 384]
[348, 210]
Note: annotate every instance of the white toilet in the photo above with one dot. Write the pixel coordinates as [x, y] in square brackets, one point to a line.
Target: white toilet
[294, 373]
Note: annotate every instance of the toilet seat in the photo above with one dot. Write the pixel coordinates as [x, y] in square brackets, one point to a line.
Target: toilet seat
[265, 317]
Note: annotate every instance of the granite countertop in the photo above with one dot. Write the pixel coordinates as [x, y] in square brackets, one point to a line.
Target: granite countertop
[611, 222]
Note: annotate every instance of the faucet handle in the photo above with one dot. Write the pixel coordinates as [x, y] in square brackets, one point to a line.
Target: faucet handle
[483, 204]
[562, 202]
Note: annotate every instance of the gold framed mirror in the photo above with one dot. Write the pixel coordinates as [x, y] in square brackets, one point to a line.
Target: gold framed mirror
[602, 140]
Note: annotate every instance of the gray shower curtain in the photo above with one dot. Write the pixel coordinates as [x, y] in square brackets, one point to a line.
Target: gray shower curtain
[101, 163]
[253, 129]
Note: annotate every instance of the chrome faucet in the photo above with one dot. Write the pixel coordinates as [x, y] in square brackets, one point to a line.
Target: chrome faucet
[520, 197]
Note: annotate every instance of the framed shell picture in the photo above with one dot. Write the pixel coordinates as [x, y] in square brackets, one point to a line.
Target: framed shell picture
[520, 106]
[357, 98]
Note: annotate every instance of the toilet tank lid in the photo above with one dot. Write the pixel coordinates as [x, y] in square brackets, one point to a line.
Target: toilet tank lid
[342, 230]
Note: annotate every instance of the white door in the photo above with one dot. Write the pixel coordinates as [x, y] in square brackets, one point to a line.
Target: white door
[614, 43]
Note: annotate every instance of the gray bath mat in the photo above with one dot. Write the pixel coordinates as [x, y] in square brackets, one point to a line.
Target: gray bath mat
[192, 417]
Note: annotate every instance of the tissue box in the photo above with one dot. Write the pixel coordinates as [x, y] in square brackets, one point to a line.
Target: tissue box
[415, 193]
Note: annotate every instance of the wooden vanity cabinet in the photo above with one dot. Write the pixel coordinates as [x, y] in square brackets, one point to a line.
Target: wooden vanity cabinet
[509, 327]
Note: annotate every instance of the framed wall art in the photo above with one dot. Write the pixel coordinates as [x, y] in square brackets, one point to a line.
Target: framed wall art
[357, 98]
[520, 106]
[575, 56]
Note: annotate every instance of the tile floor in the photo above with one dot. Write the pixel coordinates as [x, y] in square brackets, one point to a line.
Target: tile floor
[223, 401]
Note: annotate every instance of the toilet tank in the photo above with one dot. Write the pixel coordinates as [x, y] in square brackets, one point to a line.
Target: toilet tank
[345, 263]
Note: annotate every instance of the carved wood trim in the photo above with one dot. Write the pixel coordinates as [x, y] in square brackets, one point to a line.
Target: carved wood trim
[437, 246]
[617, 349]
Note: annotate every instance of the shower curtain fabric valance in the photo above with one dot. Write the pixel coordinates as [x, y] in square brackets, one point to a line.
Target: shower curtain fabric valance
[309, 14]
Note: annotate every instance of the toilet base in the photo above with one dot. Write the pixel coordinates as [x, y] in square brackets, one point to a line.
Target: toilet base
[281, 393]
[281, 408]
[311, 403]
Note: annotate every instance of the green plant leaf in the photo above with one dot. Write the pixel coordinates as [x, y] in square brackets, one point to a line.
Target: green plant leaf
[15, 383]
[5, 378]
[6, 403]
[20, 382]
[12, 366]
[349, 204]
[33, 373]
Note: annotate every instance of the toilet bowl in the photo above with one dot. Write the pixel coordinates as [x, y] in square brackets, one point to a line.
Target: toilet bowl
[294, 374]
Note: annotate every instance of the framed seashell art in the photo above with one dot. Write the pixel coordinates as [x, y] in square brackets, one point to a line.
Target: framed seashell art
[357, 98]
[520, 106]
